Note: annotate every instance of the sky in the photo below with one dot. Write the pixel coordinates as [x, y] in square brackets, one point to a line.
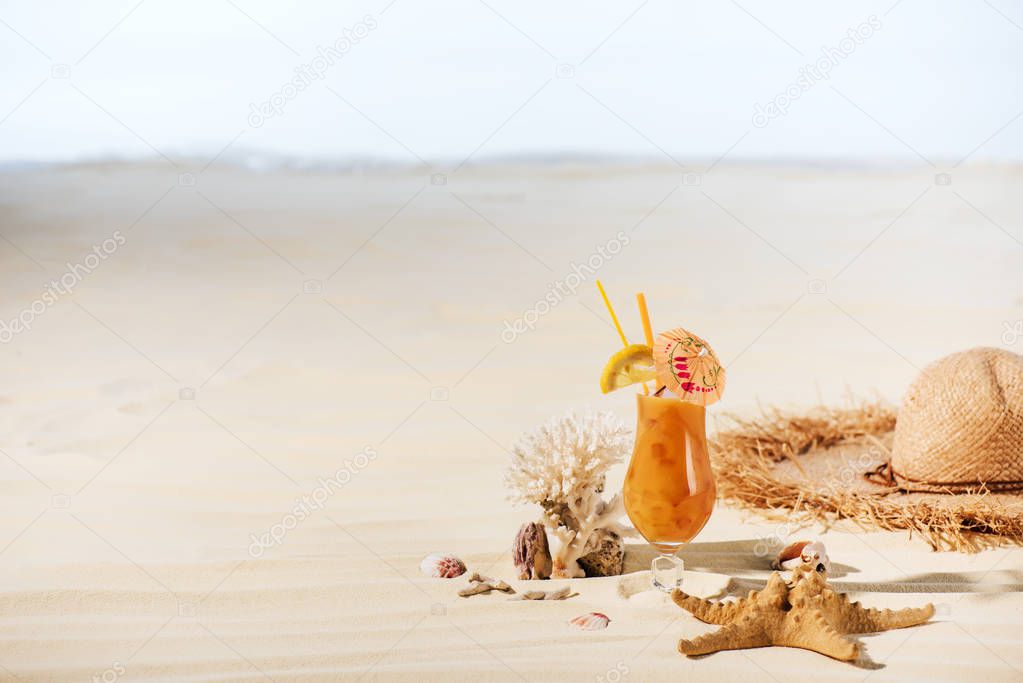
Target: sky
[467, 81]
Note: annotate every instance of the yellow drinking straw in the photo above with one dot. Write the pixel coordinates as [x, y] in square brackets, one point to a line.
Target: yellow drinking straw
[614, 317]
[648, 331]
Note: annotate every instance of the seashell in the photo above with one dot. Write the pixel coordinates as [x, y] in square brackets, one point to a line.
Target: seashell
[532, 555]
[803, 552]
[560, 594]
[484, 584]
[594, 621]
[815, 555]
[442, 566]
[788, 553]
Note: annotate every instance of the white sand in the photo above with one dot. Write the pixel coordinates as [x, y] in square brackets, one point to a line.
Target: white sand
[129, 511]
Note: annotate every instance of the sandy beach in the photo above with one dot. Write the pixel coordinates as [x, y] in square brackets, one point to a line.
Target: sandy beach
[235, 352]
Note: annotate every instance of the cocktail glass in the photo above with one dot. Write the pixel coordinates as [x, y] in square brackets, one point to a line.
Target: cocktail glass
[669, 488]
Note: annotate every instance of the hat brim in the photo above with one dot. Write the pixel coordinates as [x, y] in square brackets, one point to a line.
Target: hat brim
[811, 468]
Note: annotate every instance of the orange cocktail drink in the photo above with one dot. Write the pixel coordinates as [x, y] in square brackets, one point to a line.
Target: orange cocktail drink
[669, 488]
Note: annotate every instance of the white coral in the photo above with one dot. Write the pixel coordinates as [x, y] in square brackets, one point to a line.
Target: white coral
[562, 467]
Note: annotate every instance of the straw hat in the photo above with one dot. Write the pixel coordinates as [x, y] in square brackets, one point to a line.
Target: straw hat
[949, 465]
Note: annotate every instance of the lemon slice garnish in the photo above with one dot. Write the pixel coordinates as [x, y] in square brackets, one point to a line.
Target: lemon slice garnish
[631, 365]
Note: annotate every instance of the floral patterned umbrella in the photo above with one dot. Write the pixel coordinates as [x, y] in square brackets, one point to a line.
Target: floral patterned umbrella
[688, 366]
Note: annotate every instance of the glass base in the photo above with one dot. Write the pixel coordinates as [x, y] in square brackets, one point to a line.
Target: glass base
[666, 572]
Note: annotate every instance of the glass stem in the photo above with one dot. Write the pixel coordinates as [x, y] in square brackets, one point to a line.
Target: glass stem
[666, 572]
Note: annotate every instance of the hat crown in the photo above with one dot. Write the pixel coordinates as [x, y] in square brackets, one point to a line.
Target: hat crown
[961, 422]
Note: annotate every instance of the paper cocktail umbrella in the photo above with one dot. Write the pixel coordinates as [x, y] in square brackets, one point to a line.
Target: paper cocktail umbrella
[687, 365]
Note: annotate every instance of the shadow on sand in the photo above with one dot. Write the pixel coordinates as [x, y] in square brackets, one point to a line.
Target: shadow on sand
[721, 557]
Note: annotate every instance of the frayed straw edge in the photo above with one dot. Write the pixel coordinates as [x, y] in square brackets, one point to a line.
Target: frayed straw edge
[744, 455]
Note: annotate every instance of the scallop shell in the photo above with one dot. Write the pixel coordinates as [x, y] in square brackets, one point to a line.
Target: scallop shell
[594, 621]
[442, 566]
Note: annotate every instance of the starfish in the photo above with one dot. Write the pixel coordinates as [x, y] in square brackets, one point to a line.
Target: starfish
[804, 612]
